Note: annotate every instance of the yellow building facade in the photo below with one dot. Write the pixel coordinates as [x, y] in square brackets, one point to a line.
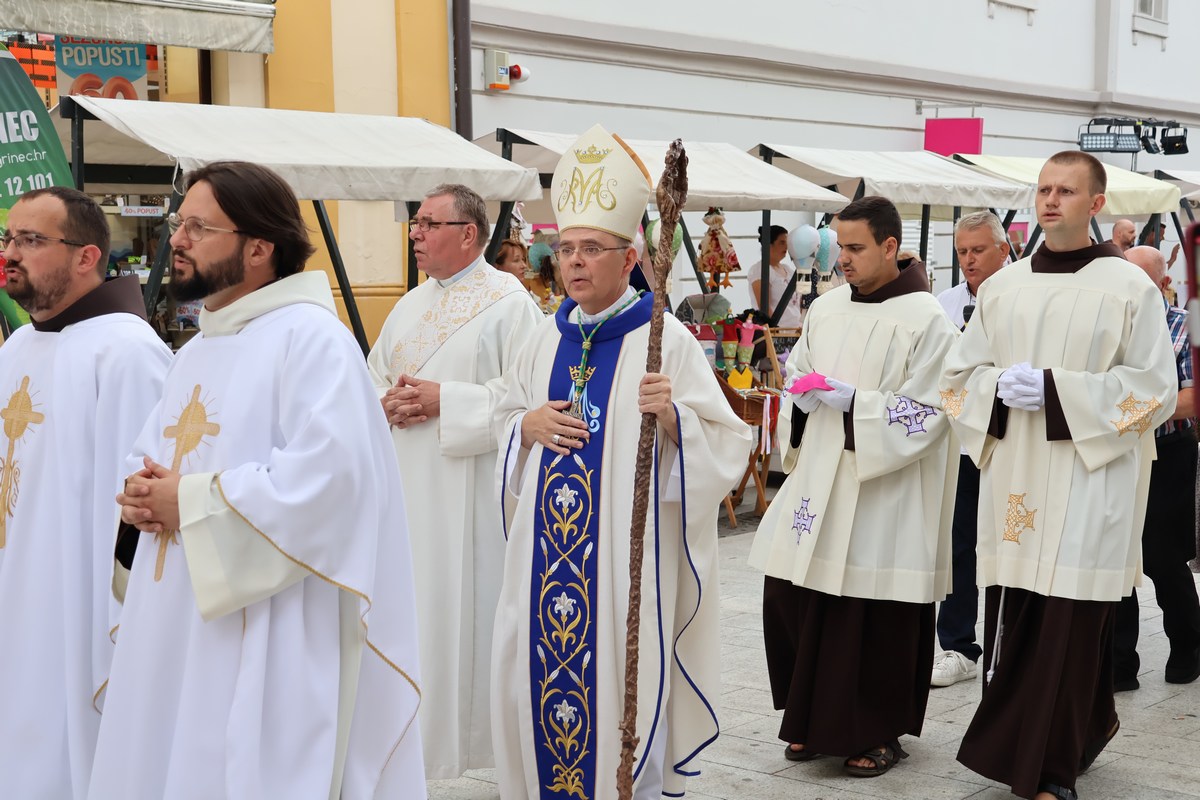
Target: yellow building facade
[387, 57]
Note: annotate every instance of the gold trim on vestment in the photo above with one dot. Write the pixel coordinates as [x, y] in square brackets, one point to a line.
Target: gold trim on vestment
[362, 618]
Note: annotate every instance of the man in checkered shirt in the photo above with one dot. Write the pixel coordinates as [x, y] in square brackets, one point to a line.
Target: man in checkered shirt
[1168, 538]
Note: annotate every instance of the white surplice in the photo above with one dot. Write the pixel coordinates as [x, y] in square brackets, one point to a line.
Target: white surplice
[873, 522]
[679, 666]
[89, 389]
[1064, 518]
[462, 336]
[276, 655]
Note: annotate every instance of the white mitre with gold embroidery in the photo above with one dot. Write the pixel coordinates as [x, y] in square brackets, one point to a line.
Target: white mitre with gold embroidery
[600, 183]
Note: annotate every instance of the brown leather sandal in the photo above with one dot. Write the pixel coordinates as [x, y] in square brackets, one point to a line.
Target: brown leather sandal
[882, 759]
[1060, 792]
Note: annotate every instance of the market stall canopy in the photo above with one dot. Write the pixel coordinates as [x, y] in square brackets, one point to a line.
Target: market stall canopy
[323, 156]
[241, 25]
[1188, 181]
[910, 179]
[719, 175]
[1129, 194]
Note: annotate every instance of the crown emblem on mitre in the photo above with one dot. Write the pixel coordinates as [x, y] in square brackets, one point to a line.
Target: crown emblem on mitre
[600, 183]
[592, 154]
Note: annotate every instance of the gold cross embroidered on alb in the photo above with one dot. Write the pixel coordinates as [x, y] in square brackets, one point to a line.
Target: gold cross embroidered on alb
[952, 402]
[1018, 518]
[188, 431]
[17, 416]
[1136, 415]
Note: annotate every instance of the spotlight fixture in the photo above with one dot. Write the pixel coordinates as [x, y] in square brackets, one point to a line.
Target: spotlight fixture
[1174, 140]
[1108, 135]
[1132, 135]
[1149, 144]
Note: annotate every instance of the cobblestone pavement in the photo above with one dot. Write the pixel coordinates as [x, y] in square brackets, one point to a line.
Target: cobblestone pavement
[1155, 755]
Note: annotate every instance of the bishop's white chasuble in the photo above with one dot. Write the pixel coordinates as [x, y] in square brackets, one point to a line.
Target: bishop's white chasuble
[268, 648]
[559, 649]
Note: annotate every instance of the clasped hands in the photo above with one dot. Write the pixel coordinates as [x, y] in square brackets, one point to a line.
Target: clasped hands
[150, 499]
[838, 396]
[554, 429]
[1022, 387]
[412, 401]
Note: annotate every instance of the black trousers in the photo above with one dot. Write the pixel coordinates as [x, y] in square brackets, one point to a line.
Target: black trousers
[1168, 543]
[959, 611]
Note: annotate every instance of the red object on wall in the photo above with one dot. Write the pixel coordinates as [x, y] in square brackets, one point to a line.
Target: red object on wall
[948, 136]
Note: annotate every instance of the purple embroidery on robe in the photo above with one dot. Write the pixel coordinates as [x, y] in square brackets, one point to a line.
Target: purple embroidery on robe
[802, 520]
[911, 414]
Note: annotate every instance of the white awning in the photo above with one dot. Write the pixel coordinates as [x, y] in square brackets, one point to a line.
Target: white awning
[719, 175]
[909, 179]
[1129, 194]
[1188, 181]
[242, 25]
[323, 156]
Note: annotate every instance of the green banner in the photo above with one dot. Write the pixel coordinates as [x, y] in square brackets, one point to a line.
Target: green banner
[31, 156]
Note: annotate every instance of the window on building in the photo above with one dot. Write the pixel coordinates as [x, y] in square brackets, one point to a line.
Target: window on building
[1155, 9]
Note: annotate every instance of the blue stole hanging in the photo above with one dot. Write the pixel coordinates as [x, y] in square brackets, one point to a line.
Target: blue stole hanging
[562, 631]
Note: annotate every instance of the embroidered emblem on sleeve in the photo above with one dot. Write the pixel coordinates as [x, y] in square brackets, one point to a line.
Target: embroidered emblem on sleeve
[911, 414]
[1018, 519]
[952, 402]
[1136, 415]
[802, 520]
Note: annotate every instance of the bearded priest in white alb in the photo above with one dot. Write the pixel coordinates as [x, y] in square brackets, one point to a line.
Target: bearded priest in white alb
[76, 385]
[439, 349]
[1055, 390]
[856, 544]
[569, 423]
[267, 646]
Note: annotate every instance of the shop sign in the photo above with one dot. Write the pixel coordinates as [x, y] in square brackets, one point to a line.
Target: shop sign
[100, 68]
[141, 211]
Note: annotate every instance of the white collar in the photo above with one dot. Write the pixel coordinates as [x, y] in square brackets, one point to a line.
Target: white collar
[462, 273]
[591, 319]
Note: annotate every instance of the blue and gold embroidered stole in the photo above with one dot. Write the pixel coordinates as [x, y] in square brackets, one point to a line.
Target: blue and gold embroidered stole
[562, 646]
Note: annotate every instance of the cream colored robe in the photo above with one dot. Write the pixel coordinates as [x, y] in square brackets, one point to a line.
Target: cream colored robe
[276, 656]
[461, 336]
[1064, 518]
[90, 386]
[679, 667]
[873, 522]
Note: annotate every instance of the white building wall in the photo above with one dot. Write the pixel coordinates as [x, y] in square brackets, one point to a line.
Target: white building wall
[844, 75]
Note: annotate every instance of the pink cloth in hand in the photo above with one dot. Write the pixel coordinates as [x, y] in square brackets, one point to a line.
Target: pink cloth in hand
[813, 381]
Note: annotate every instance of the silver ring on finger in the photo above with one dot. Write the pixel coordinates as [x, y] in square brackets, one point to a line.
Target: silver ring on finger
[555, 438]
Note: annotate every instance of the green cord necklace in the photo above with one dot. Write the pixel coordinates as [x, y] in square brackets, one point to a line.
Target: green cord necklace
[582, 373]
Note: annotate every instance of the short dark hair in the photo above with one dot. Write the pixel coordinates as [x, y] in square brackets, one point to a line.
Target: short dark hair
[776, 232]
[1096, 171]
[468, 205]
[261, 205]
[879, 213]
[85, 221]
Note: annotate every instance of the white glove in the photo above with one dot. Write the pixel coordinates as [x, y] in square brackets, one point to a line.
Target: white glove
[839, 398]
[807, 401]
[1022, 387]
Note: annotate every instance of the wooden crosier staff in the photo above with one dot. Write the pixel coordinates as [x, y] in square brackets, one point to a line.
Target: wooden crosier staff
[671, 195]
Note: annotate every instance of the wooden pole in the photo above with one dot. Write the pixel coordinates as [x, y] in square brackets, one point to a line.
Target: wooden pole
[671, 196]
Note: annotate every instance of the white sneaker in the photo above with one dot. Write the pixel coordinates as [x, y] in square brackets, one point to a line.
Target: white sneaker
[950, 667]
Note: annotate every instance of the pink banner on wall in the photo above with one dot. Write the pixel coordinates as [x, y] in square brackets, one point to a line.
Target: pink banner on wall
[948, 136]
